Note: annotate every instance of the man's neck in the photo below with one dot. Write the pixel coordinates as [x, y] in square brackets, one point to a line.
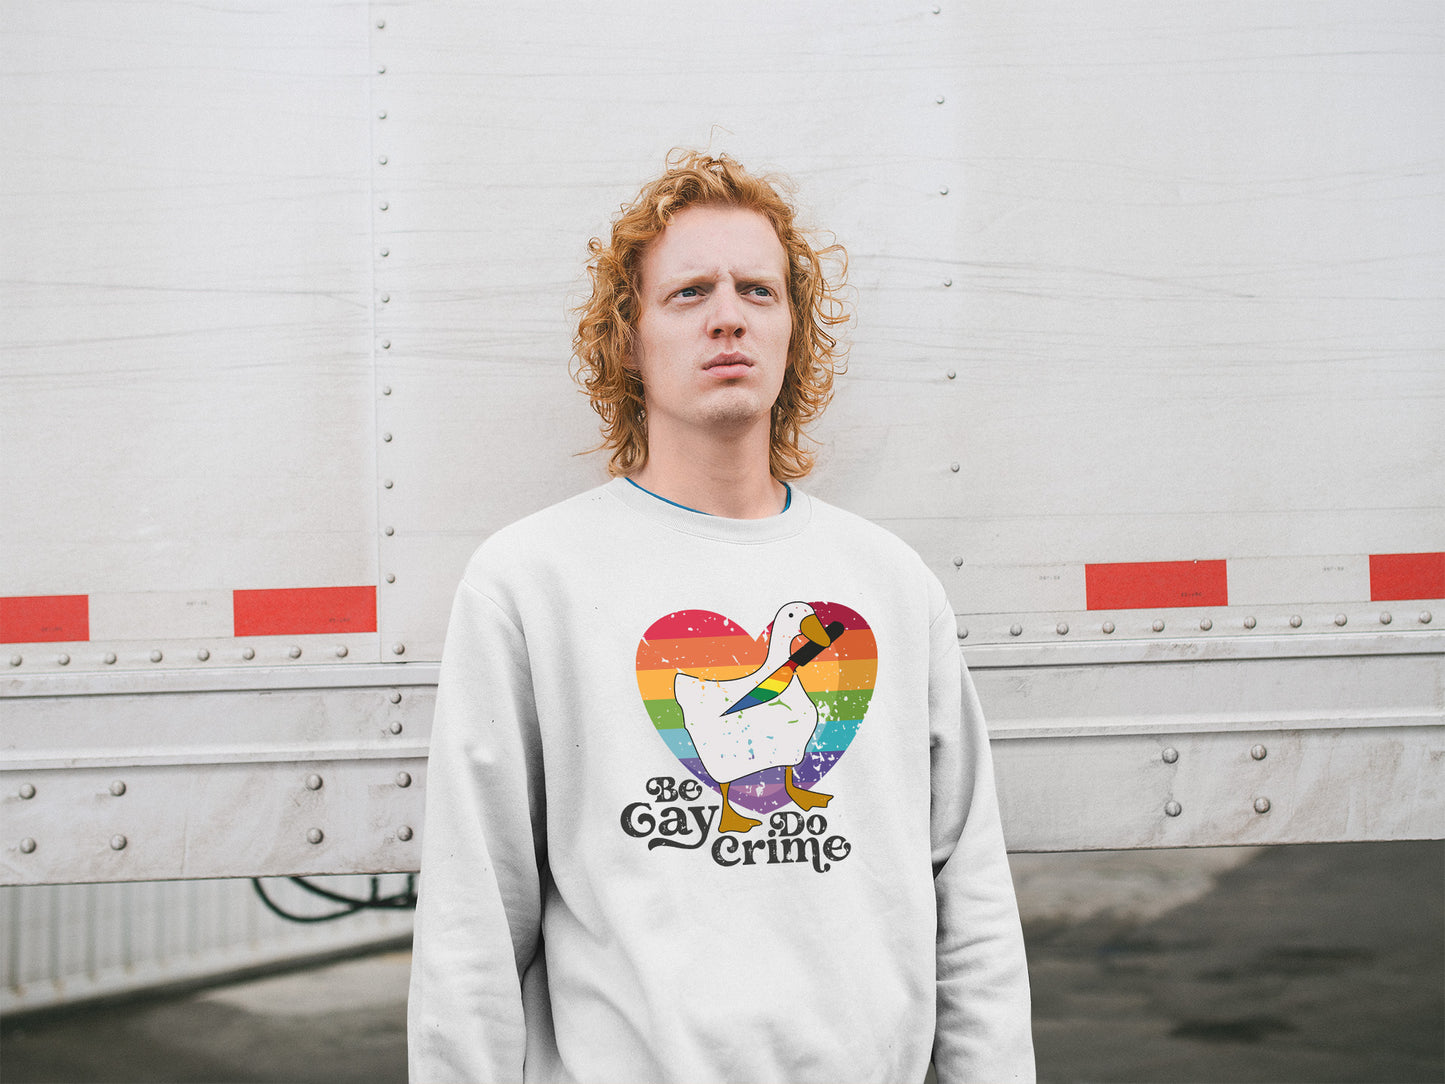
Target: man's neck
[722, 480]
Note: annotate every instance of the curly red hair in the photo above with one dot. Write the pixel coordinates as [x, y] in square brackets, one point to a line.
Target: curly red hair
[608, 320]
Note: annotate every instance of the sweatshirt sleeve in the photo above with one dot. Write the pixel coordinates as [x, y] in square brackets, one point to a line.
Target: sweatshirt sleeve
[984, 1028]
[478, 918]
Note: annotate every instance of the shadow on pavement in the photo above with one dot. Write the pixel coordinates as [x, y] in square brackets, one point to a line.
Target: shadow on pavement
[1306, 963]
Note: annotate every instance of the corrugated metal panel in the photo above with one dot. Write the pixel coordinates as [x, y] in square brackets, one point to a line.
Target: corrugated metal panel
[101, 783]
[67, 943]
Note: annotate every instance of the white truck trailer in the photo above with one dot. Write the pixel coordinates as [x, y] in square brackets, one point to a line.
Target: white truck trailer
[1147, 365]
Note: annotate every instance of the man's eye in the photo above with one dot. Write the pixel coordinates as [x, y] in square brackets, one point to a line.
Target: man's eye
[688, 291]
[760, 291]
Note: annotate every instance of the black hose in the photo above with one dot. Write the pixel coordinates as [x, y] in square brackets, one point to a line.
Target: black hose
[350, 905]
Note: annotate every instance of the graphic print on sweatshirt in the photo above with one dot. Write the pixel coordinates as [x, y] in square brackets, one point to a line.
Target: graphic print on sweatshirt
[759, 720]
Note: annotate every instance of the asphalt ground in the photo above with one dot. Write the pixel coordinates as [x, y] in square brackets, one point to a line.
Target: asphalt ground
[1305, 963]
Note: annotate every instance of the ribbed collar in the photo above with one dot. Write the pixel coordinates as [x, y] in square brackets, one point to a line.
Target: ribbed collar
[785, 524]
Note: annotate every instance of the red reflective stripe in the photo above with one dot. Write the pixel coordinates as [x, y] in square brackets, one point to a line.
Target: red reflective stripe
[1156, 584]
[297, 611]
[1406, 575]
[44, 619]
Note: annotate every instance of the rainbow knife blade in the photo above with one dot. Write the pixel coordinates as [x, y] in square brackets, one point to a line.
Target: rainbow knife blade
[777, 681]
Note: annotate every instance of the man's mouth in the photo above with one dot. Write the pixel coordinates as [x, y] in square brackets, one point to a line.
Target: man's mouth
[728, 364]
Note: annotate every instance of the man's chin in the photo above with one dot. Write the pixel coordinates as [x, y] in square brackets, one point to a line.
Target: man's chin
[738, 410]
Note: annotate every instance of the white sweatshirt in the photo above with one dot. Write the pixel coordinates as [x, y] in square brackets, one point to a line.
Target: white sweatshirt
[581, 916]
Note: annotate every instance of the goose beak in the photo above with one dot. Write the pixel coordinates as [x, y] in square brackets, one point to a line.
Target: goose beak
[812, 628]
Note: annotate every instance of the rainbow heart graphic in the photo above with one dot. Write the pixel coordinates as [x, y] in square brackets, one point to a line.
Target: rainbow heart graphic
[837, 678]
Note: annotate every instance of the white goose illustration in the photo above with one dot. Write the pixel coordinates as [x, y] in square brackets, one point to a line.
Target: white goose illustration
[765, 719]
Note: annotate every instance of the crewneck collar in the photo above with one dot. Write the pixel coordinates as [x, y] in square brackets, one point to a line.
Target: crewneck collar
[793, 518]
[787, 500]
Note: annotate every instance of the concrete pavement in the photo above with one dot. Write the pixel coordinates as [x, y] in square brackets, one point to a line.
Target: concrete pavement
[1319, 963]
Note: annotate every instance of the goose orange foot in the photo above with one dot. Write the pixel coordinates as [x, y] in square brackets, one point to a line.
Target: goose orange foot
[805, 799]
[731, 820]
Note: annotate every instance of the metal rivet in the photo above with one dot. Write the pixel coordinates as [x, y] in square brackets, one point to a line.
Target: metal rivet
[381, 69]
[1062, 628]
[403, 833]
[386, 252]
[1295, 621]
[386, 345]
[16, 660]
[385, 298]
[117, 843]
[403, 779]
[395, 697]
[1249, 622]
[395, 728]
[381, 161]
[383, 206]
[27, 846]
[109, 658]
[1158, 625]
[313, 782]
[203, 654]
[1205, 625]
[939, 99]
[315, 835]
[1016, 630]
[294, 652]
[381, 114]
[1108, 627]
[1258, 752]
[64, 660]
[386, 389]
[1341, 619]
[398, 649]
[390, 531]
[953, 467]
[341, 651]
[1424, 617]
[1173, 809]
[381, 24]
[248, 653]
[1386, 618]
[386, 437]
[156, 655]
[391, 577]
[943, 190]
[952, 374]
[1261, 805]
[948, 282]
[27, 790]
[936, 9]
[118, 787]
[1170, 755]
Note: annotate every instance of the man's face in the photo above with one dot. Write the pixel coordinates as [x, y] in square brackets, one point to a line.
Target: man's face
[714, 322]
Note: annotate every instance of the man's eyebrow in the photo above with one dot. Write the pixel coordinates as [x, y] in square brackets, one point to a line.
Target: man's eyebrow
[686, 278]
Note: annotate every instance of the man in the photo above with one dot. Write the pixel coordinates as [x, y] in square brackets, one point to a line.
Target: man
[710, 795]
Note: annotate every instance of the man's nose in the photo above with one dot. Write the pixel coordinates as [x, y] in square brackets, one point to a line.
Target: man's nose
[726, 316]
